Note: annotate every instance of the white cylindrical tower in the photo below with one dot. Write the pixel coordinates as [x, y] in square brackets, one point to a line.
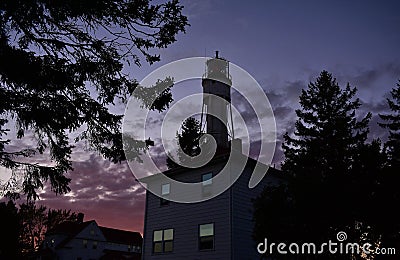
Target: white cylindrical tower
[217, 81]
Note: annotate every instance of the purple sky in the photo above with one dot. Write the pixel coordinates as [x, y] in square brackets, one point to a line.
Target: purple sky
[284, 45]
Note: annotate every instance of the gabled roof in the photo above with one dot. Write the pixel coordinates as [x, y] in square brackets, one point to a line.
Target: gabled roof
[72, 229]
[69, 228]
[121, 236]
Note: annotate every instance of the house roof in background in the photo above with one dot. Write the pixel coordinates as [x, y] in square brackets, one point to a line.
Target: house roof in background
[72, 229]
[121, 236]
[69, 228]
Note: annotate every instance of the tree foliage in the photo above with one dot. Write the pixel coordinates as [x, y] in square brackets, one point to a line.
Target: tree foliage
[62, 65]
[392, 123]
[24, 228]
[10, 229]
[331, 172]
[327, 130]
[388, 193]
[188, 140]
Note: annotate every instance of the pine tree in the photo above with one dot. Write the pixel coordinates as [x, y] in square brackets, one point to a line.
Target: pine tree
[388, 193]
[321, 158]
[188, 141]
[327, 130]
[392, 123]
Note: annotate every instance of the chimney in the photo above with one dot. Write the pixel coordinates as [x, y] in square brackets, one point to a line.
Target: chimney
[80, 217]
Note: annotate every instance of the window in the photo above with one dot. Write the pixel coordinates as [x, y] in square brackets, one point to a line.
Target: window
[84, 243]
[129, 248]
[165, 189]
[207, 179]
[92, 232]
[163, 241]
[94, 244]
[206, 236]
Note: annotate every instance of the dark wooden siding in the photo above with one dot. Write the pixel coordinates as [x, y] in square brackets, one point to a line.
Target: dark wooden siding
[185, 220]
[244, 248]
[231, 212]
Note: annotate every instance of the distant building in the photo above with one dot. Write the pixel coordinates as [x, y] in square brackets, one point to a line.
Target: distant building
[87, 241]
[218, 228]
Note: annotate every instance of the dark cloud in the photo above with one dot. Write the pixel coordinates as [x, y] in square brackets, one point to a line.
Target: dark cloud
[375, 131]
[285, 93]
[158, 155]
[103, 191]
[283, 112]
[367, 78]
[380, 106]
[377, 107]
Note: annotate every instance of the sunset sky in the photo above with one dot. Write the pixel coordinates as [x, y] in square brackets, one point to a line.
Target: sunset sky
[284, 45]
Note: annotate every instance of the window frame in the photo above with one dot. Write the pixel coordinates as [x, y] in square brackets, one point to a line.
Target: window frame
[213, 237]
[207, 187]
[163, 241]
[163, 200]
[209, 181]
[162, 189]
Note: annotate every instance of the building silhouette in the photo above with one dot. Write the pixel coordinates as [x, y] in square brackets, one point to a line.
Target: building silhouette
[217, 228]
[87, 240]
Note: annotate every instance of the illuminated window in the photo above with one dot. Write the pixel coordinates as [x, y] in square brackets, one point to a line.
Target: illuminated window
[92, 232]
[94, 244]
[206, 236]
[84, 243]
[163, 241]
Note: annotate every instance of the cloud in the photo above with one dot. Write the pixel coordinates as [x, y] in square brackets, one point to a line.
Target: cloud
[367, 78]
[195, 9]
[103, 191]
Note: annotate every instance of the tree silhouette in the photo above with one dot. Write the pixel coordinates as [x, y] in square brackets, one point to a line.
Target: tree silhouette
[10, 230]
[330, 169]
[62, 66]
[188, 141]
[392, 123]
[388, 193]
[23, 229]
[327, 131]
[35, 221]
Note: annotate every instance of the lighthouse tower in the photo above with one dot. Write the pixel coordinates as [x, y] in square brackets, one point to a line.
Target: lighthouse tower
[217, 81]
[218, 227]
